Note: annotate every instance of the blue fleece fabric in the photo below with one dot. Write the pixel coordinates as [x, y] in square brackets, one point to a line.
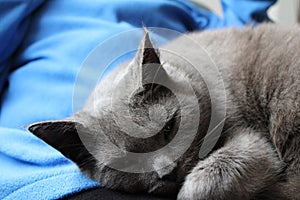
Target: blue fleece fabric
[43, 44]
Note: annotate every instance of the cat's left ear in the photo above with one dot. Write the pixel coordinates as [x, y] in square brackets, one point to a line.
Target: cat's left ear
[148, 60]
[63, 136]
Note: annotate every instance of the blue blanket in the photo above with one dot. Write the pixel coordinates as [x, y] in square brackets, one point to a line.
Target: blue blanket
[43, 44]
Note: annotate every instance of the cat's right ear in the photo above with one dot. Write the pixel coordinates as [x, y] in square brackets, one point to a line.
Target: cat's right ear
[63, 136]
[148, 61]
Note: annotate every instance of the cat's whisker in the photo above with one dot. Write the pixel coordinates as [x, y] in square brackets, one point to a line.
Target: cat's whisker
[86, 161]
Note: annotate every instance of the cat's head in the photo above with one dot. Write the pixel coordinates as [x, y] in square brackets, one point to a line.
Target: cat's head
[123, 136]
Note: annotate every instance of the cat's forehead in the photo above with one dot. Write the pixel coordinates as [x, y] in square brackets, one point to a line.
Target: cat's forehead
[150, 66]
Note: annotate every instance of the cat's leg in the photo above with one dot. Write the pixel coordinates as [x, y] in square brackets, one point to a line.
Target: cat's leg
[246, 167]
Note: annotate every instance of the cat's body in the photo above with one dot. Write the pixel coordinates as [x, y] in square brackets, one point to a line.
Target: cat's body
[258, 153]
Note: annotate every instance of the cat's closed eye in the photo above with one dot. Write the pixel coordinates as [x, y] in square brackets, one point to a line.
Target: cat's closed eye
[171, 127]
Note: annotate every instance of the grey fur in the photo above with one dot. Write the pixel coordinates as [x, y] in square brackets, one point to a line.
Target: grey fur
[258, 154]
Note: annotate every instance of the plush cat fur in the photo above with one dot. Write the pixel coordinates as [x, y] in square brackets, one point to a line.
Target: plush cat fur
[258, 153]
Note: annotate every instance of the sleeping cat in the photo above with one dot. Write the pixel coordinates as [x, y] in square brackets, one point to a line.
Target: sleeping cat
[124, 136]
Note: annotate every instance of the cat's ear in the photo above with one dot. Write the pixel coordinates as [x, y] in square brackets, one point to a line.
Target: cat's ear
[148, 61]
[63, 136]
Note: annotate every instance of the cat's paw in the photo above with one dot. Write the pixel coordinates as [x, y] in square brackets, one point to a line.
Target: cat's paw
[212, 179]
[198, 185]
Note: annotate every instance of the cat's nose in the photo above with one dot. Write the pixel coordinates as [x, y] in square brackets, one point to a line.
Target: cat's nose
[164, 167]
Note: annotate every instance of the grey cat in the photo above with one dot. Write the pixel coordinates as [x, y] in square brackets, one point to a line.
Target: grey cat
[257, 155]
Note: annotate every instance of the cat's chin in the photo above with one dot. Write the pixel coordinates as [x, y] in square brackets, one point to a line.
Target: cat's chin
[159, 188]
[134, 182]
[164, 188]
